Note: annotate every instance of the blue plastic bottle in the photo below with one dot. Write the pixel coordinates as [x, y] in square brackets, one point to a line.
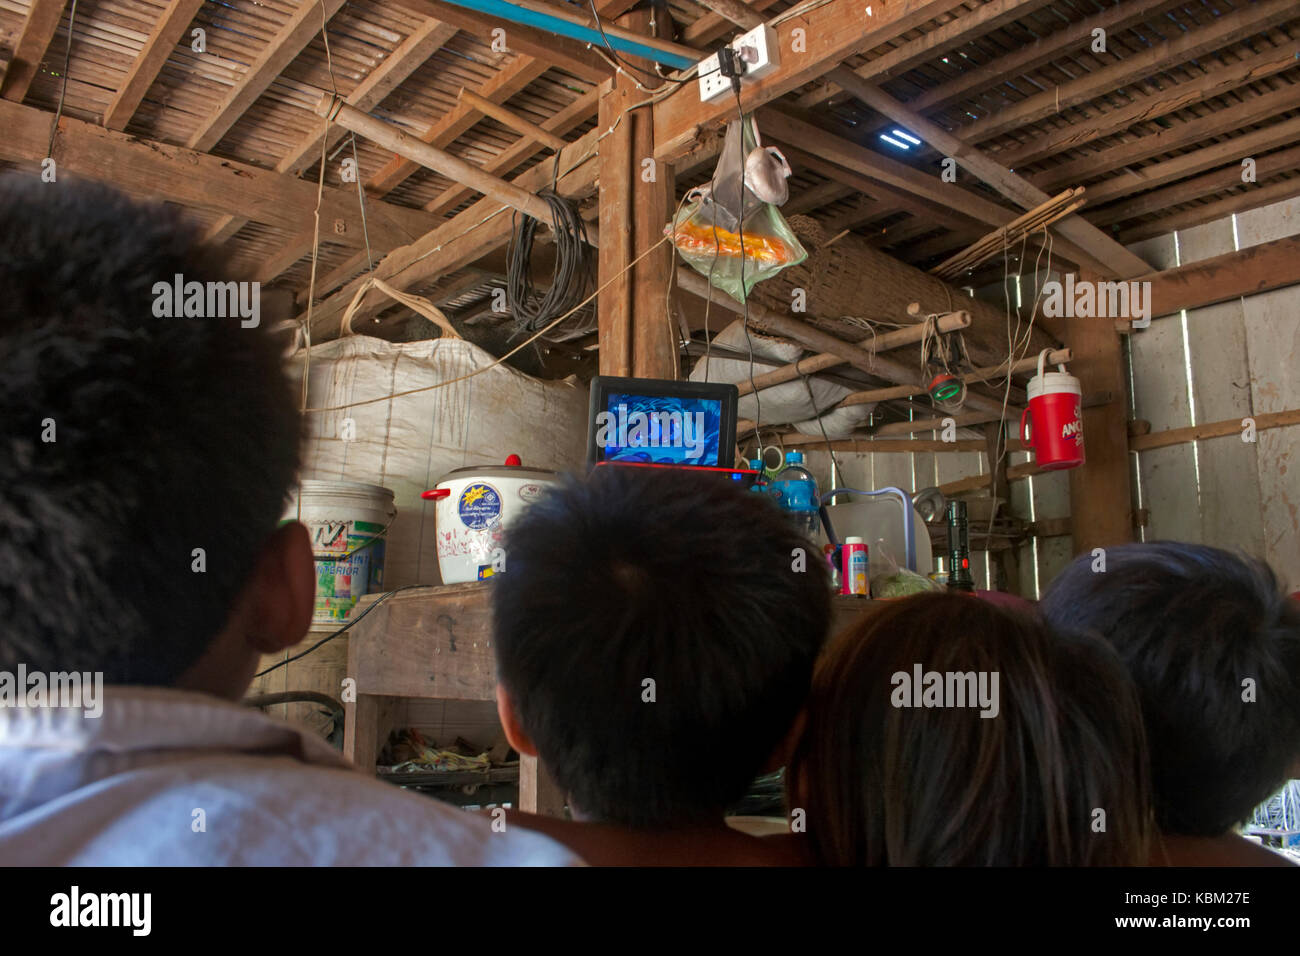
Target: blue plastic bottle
[760, 483]
[795, 490]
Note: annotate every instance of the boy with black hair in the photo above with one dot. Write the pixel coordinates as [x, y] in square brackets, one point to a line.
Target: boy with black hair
[145, 461]
[1214, 647]
[655, 634]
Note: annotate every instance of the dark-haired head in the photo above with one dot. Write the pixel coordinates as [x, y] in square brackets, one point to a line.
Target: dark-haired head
[130, 441]
[655, 634]
[1030, 754]
[1213, 645]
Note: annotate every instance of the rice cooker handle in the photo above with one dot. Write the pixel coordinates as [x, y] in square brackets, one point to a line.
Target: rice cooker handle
[435, 493]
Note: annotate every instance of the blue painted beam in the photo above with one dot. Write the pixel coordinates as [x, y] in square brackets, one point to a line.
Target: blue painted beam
[574, 31]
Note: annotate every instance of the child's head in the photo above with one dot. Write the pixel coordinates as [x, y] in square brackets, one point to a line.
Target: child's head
[1213, 645]
[655, 635]
[1026, 737]
[146, 454]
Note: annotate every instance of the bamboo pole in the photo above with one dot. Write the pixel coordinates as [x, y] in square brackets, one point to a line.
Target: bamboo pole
[811, 337]
[984, 248]
[1057, 357]
[881, 343]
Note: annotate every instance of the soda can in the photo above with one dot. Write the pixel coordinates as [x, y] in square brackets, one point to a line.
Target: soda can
[854, 578]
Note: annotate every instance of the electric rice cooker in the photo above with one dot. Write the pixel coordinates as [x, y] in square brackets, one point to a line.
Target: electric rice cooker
[472, 508]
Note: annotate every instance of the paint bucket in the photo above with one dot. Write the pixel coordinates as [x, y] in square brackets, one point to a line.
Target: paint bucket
[1052, 423]
[347, 521]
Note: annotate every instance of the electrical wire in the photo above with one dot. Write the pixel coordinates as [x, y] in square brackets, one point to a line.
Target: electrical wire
[485, 368]
[63, 89]
[572, 272]
[329, 637]
[821, 425]
[614, 53]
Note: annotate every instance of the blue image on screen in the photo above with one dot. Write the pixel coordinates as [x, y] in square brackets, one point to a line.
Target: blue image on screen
[668, 430]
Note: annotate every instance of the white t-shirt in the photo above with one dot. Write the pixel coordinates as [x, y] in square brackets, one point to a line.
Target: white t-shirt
[172, 778]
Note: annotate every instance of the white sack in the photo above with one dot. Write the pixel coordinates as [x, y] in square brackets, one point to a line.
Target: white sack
[784, 404]
[409, 443]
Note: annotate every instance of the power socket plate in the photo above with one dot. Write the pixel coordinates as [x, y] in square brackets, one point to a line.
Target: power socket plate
[758, 48]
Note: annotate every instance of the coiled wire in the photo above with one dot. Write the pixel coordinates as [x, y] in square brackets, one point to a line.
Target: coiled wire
[573, 266]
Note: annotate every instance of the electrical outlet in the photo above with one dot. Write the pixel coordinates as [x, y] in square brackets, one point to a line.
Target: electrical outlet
[758, 49]
[712, 83]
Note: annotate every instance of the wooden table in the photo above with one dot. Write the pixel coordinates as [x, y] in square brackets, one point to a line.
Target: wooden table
[436, 643]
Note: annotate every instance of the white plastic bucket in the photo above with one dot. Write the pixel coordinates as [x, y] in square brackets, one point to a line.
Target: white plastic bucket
[347, 521]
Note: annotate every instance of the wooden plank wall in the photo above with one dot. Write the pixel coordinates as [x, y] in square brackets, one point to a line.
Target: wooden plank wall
[1217, 363]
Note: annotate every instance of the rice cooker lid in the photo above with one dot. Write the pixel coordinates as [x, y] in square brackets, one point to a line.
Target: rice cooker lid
[499, 471]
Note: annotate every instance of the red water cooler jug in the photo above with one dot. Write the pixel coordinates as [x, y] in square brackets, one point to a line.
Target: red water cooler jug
[1052, 423]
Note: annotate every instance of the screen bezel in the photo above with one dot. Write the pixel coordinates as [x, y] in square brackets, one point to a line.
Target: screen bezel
[726, 395]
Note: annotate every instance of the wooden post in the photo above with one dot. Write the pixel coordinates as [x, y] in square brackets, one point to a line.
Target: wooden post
[637, 336]
[1100, 493]
[538, 791]
[1007, 576]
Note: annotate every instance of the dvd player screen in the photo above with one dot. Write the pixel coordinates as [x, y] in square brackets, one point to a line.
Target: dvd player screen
[668, 430]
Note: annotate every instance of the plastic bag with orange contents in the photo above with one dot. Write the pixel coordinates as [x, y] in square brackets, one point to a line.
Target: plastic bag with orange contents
[728, 234]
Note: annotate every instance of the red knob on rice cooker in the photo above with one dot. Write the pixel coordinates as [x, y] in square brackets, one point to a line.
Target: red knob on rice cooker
[1052, 423]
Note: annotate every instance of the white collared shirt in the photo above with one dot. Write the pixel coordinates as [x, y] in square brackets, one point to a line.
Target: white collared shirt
[173, 778]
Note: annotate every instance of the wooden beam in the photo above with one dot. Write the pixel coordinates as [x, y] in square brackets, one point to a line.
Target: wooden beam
[962, 225]
[961, 28]
[833, 32]
[1219, 80]
[580, 16]
[1119, 262]
[175, 20]
[1100, 494]
[614, 303]
[448, 128]
[975, 482]
[189, 178]
[280, 51]
[43, 19]
[816, 197]
[569, 55]
[961, 419]
[1231, 427]
[782, 126]
[426, 40]
[1189, 190]
[1243, 22]
[576, 113]
[713, 25]
[1026, 59]
[453, 167]
[510, 119]
[507, 82]
[922, 190]
[1249, 271]
[460, 240]
[1251, 197]
[1240, 145]
[423, 42]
